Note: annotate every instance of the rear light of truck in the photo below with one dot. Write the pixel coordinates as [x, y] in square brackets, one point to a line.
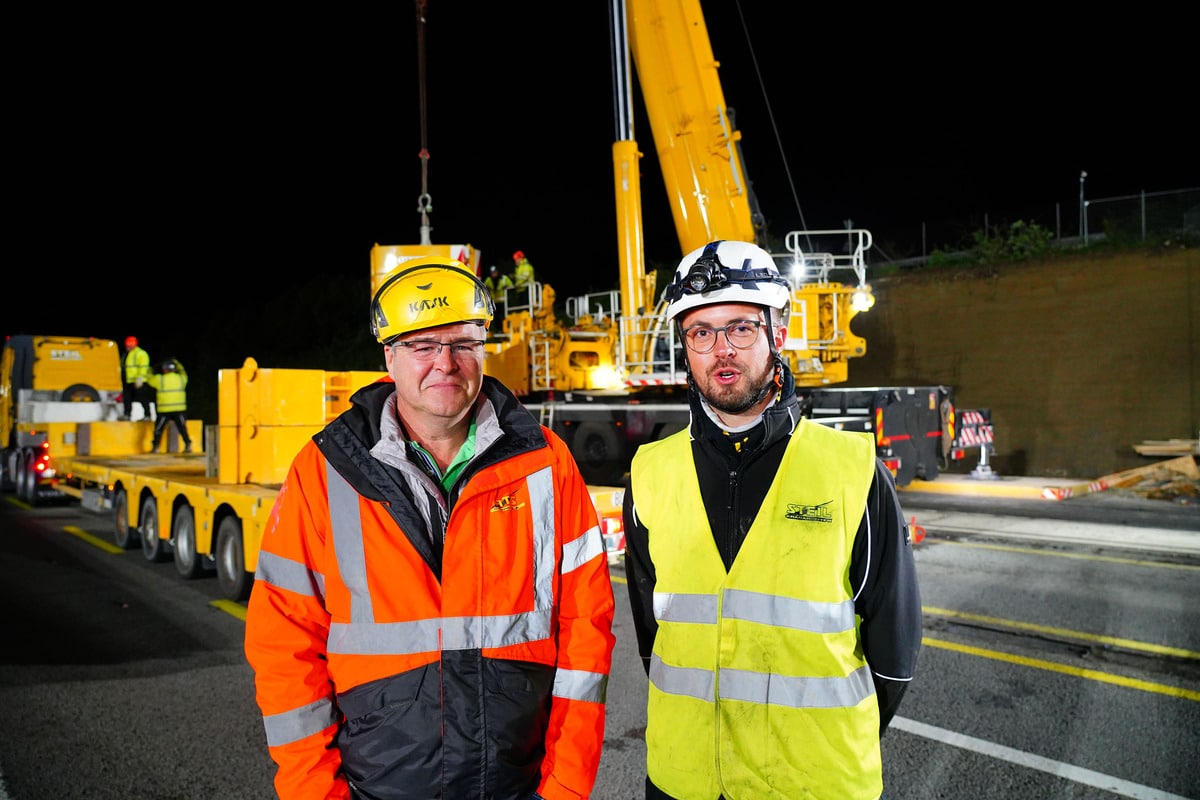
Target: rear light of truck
[613, 529]
[893, 465]
[43, 458]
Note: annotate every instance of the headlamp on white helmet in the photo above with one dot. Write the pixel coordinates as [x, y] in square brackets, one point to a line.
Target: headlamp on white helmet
[726, 272]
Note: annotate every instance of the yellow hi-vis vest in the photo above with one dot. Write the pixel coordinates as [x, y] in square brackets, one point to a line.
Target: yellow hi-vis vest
[137, 365]
[172, 391]
[758, 685]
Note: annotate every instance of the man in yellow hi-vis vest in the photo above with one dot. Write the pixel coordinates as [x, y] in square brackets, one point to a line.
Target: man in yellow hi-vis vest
[771, 576]
[172, 402]
[135, 368]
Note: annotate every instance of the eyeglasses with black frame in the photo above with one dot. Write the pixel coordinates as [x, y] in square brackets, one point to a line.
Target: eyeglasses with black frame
[430, 349]
[742, 334]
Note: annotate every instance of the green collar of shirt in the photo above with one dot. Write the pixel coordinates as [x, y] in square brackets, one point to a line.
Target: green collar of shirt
[461, 459]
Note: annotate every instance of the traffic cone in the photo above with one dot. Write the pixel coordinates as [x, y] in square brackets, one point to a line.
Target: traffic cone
[916, 532]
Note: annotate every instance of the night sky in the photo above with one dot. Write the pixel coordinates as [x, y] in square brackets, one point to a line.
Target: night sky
[226, 174]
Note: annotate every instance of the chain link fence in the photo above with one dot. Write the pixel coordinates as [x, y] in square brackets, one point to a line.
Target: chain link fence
[1139, 217]
[1128, 220]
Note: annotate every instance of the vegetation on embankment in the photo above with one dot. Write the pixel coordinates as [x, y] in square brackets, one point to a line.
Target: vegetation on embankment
[1079, 355]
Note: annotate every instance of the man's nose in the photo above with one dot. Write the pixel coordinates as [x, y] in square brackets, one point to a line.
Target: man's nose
[444, 360]
[723, 336]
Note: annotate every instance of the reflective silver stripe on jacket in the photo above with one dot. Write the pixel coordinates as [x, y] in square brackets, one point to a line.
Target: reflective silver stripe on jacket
[288, 574]
[292, 726]
[757, 687]
[575, 684]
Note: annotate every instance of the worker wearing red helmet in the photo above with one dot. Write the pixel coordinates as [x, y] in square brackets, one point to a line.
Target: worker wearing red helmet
[523, 274]
[432, 611]
[135, 371]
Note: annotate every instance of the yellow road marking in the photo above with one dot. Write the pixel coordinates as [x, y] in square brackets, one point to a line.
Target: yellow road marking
[229, 607]
[80, 533]
[1050, 666]
[1081, 556]
[1129, 644]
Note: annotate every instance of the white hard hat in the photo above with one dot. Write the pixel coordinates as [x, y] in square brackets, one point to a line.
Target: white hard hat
[726, 272]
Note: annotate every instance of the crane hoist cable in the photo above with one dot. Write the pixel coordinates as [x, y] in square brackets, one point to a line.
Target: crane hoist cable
[770, 114]
[425, 200]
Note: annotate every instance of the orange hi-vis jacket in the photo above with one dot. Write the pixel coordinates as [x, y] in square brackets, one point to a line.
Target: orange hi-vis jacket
[409, 644]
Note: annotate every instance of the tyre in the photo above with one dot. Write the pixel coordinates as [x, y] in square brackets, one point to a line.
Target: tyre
[232, 577]
[27, 480]
[188, 563]
[8, 461]
[124, 536]
[19, 475]
[597, 451]
[153, 548]
[80, 393]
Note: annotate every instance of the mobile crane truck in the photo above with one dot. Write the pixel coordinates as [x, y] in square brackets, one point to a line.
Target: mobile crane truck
[613, 376]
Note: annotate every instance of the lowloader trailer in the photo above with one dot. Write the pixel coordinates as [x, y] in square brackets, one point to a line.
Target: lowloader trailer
[206, 510]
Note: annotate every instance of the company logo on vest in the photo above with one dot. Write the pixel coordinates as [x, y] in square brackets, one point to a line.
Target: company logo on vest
[810, 513]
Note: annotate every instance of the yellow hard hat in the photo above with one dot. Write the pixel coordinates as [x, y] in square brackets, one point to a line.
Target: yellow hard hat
[427, 292]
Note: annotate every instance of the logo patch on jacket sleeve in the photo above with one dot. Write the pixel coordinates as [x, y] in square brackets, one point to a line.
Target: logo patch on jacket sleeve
[507, 503]
[810, 513]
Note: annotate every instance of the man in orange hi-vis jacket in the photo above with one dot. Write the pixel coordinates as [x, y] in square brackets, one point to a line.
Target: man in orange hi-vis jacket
[432, 611]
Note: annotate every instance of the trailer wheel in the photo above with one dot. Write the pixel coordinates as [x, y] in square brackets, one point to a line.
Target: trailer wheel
[8, 462]
[235, 582]
[19, 474]
[188, 563]
[27, 481]
[125, 537]
[597, 451]
[153, 548]
[80, 393]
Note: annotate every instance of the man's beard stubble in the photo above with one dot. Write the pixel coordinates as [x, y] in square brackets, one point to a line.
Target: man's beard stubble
[739, 398]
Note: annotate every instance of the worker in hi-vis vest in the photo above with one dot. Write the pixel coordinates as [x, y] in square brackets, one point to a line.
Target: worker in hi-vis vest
[771, 576]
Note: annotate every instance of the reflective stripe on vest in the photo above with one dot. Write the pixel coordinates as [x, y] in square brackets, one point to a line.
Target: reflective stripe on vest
[748, 686]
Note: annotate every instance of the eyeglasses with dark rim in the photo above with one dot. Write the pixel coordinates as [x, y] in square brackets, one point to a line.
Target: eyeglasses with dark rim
[742, 334]
[430, 349]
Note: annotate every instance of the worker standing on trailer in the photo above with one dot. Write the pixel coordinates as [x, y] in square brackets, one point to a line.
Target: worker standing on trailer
[771, 577]
[135, 369]
[171, 402]
[432, 612]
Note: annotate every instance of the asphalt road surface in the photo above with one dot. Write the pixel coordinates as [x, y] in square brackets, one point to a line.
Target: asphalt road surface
[1051, 669]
